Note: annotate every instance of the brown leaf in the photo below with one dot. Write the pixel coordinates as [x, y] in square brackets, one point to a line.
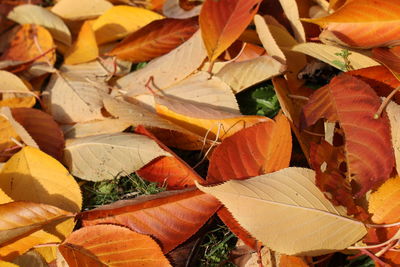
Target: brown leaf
[111, 245]
[170, 217]
[368, 147]
[155, 39]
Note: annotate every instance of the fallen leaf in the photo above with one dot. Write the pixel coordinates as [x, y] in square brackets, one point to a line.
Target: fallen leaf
[43, 129]
[119, 21]
[32, 175]
[222, 22]
[170, 217]
[32, 258]
[393, 111]
[10, 83]
[292, 13]
[85, 47]
[368, 148]
[328, 54]
[187, 58]
[172, 9]
[105, 126]
[155, 39]
[267, 206]
[357, 23]
[7, 134]
[111, 245]
[33, 14]
[103, 157]
[259, 149]
[384, 203]
[80, 10]
[390, 57]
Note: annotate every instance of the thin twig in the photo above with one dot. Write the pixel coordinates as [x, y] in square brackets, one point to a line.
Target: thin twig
[386, 102]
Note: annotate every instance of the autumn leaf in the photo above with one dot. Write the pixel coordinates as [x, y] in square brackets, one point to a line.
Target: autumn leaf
[390, 57]
[111, 245]
[155, 39]
[170, 217]
[368, 148]
[222, 22]
[80, 10]
[267, 206]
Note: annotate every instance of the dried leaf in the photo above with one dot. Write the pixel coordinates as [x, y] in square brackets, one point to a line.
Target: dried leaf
[33, 14]
[80, 10]
[259, 149]
[186, 57]
[85, 47]
[223, 21]
[10, 83]
[155, 39]
[390, 57]
[268, 205]
[393, 111]
[119, 21]
[7, 134]
[172, 9]
[105, 126]
[170, 217]
[292, 13]
[111, 245]
[353, 103]
[384, 204]
[103, 157]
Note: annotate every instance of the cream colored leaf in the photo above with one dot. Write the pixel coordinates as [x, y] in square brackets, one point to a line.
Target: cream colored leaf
[80, 10]
[288, 213]
[103, 157]
[33, 14]
[268, 40]
[171, 9]
[241, 75]
[168, 69]
[119, 21]
[393, 111]
[105, 126]
[292, 13]
[11, 83]
[75, 93]
[19, 129]
[326, 53]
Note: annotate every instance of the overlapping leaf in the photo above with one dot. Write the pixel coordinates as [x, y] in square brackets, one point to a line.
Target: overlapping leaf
[390, 57]
[155, 39]
[111, 245]
[170, 217]
[80, 10]
[353, 104]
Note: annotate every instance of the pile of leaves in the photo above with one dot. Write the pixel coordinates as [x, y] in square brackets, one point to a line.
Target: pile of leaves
[92, 90]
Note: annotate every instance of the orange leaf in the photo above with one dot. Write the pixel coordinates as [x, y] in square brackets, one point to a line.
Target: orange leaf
[170, 171]
[170, 217]
[368, 147]
[223, 21]
[359, 23]
[43, 129]
[263, 148]
[291, 261]
[384, 204]
[155, 39]
[390, 57]
[111, 245]
[331, 180]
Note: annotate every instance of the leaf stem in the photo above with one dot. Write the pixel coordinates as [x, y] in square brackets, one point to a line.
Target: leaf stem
[300, 97]
[384, 104]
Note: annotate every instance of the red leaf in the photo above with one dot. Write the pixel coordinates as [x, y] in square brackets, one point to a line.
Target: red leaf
[332, 180]
[390, 57]
[170, 171]
[368, 146]
[43, 129]
[262, 148]
[111, 245]
[223, 21]
[155, 39]
[170, 217]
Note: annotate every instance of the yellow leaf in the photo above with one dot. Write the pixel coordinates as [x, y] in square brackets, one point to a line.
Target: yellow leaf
[32, 175]
[7, 264]
[7, 132]
[384, 203]
[85, 47]
[119, 21]
[80, 10]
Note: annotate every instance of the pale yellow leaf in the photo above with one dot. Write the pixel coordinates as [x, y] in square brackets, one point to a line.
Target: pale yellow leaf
[74, 94]
[32, 175]
[11, 83]
[104, 126]
[393, 111]
[241, 75]
[288, 213]
[80, 10]
[171, 9]
[85, 47]
[103, 157]
[168, 69]
[292, 13]
[33, 14]
[119, 21]
[326, 53]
